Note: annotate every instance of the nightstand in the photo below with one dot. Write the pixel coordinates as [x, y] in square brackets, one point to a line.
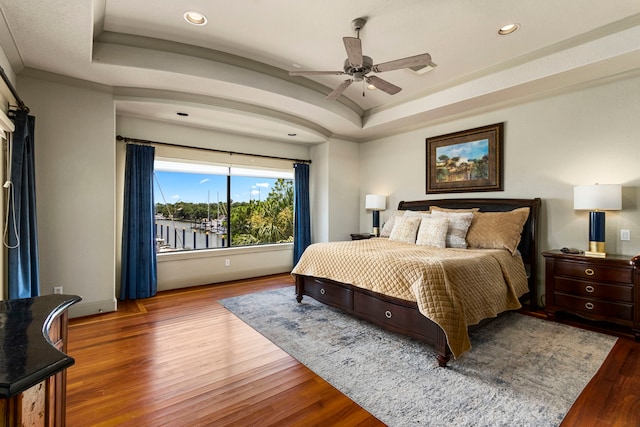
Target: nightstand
[361, 236]
[600, 289]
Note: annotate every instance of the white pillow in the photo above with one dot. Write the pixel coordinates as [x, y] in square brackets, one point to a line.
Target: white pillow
[405, 229]
[388, 225]
[433, 232]
[458, 226]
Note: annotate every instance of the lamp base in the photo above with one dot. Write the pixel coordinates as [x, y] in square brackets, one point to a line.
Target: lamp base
[376, 231]
[595, 254]
[596, 250]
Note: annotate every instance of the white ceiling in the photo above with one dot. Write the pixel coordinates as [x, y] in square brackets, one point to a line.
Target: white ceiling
[232, 74]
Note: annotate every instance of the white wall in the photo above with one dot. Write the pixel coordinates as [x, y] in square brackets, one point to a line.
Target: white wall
[319, 192]
[4, 96]
[550, 145]
[343, 189]
[334, 192]
[75, 187]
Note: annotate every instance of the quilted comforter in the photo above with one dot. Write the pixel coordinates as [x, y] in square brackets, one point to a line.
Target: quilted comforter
[455, 288]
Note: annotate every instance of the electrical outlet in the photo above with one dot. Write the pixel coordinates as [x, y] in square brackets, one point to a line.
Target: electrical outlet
[625, 234]
[227, 262]
[57, 290]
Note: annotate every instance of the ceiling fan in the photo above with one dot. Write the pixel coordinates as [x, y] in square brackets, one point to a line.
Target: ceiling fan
[357, 66]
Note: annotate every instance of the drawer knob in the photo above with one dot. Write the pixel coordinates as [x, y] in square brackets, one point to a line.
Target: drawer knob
[589, 272]
[388, 314]
[322, 291]
[589, 288]
[589, 306]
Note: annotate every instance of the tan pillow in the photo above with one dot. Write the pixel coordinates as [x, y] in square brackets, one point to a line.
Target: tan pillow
[388, 225]
[438, 208]
[497, 230]
[405, 229]
[433, 232]
[458, 225]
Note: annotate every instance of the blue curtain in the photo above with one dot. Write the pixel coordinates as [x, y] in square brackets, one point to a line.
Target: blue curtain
[301, 211]
[139, 269]
[22, 230]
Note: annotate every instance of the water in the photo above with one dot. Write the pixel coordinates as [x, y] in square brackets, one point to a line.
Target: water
[194, 238]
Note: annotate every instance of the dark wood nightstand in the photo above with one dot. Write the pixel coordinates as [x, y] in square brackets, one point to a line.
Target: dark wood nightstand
[600, 289]
[361, 236]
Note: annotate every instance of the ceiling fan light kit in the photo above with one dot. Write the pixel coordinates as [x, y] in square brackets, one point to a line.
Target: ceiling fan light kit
[358, 66]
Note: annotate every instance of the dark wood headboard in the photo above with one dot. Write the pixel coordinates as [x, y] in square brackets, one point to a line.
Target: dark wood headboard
[528, 246]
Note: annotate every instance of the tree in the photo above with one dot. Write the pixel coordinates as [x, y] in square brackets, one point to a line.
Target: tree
[267, 221]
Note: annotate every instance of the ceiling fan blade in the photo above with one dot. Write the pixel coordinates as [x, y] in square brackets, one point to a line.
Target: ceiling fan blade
[315, 73]
[338, 91]
[353, 46]
[411, 61]
[383, 85]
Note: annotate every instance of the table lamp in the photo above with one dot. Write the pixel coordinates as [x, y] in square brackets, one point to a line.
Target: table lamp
[376, 203]
[596, 199]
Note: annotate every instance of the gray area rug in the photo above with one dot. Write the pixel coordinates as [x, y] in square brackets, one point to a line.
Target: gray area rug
[521, 371]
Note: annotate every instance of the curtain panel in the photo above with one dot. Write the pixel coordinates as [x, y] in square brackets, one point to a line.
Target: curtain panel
[301, 212]
[139, 267]
[22, 231]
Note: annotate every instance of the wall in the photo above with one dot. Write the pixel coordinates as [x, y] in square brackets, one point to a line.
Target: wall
[585, 137]
[334, 193]
[4, 96]
[75, 187]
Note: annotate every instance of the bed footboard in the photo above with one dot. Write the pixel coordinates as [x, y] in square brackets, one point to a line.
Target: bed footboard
[390, 313]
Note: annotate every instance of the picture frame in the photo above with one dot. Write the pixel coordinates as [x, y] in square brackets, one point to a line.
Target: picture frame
[466, 161]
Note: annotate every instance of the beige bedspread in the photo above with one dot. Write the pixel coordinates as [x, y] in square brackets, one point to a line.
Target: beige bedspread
[454, 288]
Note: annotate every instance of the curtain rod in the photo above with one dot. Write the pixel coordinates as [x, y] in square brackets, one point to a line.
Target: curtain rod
[21, 104]
[168, 144]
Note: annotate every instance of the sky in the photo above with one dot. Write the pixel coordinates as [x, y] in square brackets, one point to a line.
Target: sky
[466, 150]
[195, 188]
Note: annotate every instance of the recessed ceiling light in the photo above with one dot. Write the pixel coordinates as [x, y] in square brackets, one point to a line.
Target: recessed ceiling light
[508, 29]
[195, 18]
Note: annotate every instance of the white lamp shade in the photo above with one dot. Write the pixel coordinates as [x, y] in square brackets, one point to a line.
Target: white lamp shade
[375, 202]
[602, 197]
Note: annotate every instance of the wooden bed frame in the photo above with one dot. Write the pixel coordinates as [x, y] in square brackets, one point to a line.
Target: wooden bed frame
[403, 316]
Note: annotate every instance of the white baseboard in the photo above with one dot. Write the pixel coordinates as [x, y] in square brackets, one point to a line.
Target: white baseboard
[87, 309]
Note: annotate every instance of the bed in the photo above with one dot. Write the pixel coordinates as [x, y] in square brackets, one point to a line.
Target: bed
[433, 294]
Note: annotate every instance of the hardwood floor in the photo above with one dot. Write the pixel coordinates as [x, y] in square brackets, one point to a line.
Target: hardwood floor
[181, 359]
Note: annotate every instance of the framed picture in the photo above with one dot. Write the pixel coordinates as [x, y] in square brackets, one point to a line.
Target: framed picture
[466, 161]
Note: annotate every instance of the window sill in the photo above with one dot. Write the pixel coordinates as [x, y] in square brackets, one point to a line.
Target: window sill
[222, 252]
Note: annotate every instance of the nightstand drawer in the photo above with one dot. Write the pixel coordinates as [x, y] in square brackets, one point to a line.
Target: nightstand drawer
[594, 272]
[594, 290]
[594, 307]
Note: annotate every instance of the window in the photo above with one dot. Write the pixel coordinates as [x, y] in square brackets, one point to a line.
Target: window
[192, 201]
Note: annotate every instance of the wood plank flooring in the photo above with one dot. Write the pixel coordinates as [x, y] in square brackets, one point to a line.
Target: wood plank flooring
[181, 359]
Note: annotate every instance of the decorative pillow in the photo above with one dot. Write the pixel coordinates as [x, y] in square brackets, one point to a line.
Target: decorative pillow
[438, 208]
[405, 229]
[421, 214]
[458, 226]
[497, 230]
[433, 232]
[388, 225]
